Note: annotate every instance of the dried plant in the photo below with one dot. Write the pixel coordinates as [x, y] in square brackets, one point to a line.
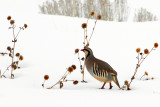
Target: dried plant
[63, 78]
[145, 74]
[46, 77]
[11, 50]
[141, 57]
[86, 40]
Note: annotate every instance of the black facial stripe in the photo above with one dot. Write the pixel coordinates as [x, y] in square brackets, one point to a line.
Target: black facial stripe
[88, 53]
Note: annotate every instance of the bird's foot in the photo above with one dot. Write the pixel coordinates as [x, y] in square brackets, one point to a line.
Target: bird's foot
[102, 88]
[110, 87]
[83, 81]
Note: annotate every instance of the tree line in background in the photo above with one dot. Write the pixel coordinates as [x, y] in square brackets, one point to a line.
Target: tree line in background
[117, 10]
[143, 15]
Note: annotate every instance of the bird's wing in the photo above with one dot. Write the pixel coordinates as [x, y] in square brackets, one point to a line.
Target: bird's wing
[103, 66]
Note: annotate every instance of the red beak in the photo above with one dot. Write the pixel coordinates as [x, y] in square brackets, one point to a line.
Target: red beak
[82, 49]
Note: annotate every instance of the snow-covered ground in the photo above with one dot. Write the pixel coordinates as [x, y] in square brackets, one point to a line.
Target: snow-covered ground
[48, 46]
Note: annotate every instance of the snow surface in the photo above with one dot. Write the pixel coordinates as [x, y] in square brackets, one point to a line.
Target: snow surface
[48, 46]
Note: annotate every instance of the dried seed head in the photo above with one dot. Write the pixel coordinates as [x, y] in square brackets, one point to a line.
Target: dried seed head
[152, 78]
[156, 45]
[70, 69]
[73, 66]
[99, 17]
[92, 13]
[25, 25]
[146, 73]
[12, 22]
[10, 54]
[126, 83]
[46, 77]
[84, 25]
[17, 62]
[138, 50]
[14, 66]
[146, 51]
[9, 18]
[17, 54]
[76, 51]
[75, 82]
[21, 58]
[61, 85]
[9, 48]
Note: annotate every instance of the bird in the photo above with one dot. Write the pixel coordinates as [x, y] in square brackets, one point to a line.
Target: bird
[99, 69]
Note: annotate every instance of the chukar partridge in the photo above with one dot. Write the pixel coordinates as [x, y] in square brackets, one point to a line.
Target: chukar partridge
[99, 69]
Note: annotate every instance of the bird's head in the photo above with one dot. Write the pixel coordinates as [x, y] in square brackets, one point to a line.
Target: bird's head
[88, 52]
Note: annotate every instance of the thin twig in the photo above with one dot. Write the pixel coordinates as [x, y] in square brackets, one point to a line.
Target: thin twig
[6, 70]
[86, 29]
[142, 76]
[138, 65]
[18, 33]
[146, 56]
[64, 76]
[92, 31]
[14, 42]
[3, 53]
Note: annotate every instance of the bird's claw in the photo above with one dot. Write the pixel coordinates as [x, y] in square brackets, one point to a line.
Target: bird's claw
[84, 81]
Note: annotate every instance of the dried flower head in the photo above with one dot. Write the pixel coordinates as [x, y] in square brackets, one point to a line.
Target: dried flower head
[61, 84]
[76, 51]
[84, 25]
[9, 18]
[14, 66]
[156, 45]
[21, 58]
[75, 82]
[9, 48]
[73, 66]
[12, 22]
[126, 83]
[17, 54]
[92, 13]
[138, 50]
[17, 62]
[152, 78]
[99, 17]
[70, 69]
[146, 73]
[25, 25]
[46, 77]
[146, 51]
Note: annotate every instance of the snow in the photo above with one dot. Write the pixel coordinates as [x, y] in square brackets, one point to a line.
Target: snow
[48, 46]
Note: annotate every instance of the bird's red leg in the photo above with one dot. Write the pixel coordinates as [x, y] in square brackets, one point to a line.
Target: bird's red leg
[103, 85]
[110, 85]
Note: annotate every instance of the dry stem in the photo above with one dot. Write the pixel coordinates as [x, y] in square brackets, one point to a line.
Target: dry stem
[63, 77]
[142, 76]
[139, 63]
[13, 51]
[92, 31]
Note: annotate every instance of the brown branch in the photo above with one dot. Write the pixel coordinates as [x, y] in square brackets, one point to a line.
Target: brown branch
[86, 29]
[142, 76]
[139, 64]
[3, 53]
[5, 71]
[92, 31]
[64, 76]
[14, 41]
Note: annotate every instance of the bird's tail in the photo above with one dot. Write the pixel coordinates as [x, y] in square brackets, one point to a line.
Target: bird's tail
[116, 80]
